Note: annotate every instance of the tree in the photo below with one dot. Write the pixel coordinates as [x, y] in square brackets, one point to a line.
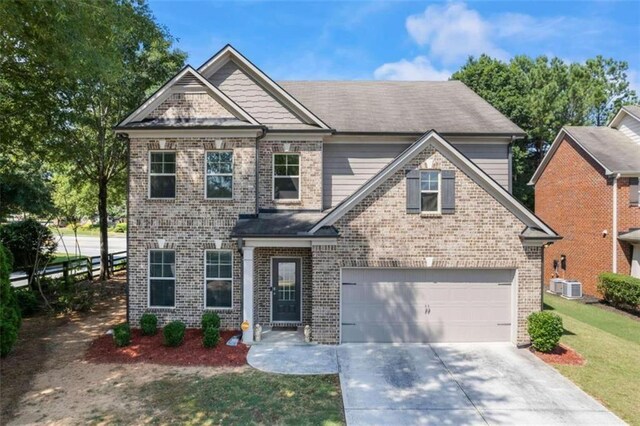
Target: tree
[31, 244]
[10, 317]
[24, 185]
[99, 60]
[541, 95]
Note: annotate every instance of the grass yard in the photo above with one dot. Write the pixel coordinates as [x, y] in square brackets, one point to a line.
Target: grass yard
[246, 397]
[62, 257]
[610, 343]
[93, 231]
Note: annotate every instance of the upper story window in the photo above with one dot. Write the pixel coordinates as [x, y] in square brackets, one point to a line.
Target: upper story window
[430, 191]
[219, 179]
[162, 174]
[162, 278]
[218, 278]
[286, 176]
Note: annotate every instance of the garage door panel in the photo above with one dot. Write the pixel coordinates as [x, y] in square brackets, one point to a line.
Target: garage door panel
[423, 305]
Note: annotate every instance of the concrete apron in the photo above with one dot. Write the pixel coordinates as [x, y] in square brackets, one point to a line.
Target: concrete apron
[284, 352]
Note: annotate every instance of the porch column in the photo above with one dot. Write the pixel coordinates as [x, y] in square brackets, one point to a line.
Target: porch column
[247, 293]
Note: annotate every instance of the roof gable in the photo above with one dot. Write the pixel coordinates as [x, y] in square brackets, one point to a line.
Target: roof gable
[184, 89]
[460, 161]
[632, 111]
[245, 73]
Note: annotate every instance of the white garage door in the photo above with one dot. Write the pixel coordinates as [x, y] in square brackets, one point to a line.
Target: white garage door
[426, 305]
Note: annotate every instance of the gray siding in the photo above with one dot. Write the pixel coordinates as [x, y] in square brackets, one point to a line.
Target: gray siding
[630, 127]
[349, 165]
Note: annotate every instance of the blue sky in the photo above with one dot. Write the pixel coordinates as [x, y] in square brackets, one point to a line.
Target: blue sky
[400, 40]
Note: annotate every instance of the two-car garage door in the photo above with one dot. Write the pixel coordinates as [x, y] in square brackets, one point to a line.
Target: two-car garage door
[426, 305]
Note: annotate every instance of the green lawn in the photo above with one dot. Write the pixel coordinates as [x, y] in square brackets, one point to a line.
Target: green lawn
[62, 257]
[610, 343]
[249, 397]
[90, 232]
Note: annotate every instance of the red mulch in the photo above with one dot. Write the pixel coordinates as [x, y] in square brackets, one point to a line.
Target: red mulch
[149, 349]
[560, 355]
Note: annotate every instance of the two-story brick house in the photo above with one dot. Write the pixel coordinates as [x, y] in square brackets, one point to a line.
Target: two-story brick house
[587, 188]
[371, 211]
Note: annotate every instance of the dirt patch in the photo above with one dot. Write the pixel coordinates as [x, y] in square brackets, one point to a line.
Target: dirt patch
[562, 354]
[149, 349]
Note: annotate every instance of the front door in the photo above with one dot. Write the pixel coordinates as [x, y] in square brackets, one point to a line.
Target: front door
[285, 287]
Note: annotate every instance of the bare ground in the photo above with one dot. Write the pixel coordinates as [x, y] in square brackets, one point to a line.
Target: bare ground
[46, 380]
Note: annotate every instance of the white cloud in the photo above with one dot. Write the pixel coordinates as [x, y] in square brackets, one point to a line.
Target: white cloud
[452, 32]
[419, 68]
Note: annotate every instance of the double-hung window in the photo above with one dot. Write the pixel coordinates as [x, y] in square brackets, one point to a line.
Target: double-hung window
[430, 191]
[162, 278]
[162, 174]
[218, 278]
[286, 177]
[219, 174]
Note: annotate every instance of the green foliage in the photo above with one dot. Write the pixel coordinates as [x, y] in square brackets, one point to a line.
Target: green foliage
[24, 184]
[27, 240]
[173, 333]
[541, 95]
[149, 324]
[620, 290]
[211, 337]
[210, 319]
[73, 200]
[68, 295]
[545, 329]
[10, 318]
[122, 334]
[27, 301]
[120, 227]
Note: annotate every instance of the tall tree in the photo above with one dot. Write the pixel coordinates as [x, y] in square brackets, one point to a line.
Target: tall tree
[99, 60]
[541, 95]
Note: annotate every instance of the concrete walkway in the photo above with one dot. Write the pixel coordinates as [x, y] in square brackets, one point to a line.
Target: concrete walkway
[462, 384]
[294, 359]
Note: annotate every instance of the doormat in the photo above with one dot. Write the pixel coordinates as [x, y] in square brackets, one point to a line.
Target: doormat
[284, 328]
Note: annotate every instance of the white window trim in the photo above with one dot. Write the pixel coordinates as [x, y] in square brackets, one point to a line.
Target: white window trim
[149, 174]
[175, 280]
[206, 175]
[273, 178]
[204, 300]
[439, 192]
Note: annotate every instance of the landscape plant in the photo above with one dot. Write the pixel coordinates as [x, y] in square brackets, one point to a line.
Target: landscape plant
[122, 335]
[210, 319]
[545, 329]
[210, 337]
[10, 318]
[149, 324]
[173, 333]
[620, 290]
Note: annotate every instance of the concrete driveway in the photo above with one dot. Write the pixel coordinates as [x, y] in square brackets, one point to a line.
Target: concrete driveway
[458, 384]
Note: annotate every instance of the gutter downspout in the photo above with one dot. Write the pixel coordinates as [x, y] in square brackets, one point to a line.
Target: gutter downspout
[614, 226]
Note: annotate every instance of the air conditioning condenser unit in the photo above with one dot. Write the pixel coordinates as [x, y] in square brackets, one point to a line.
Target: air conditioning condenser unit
[572, 289]
[556, 285]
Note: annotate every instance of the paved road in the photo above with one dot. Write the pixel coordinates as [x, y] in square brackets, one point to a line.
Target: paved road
[459, 384]
[90, 246]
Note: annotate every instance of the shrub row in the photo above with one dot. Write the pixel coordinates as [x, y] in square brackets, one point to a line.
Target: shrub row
[172, 333]
[620, 290]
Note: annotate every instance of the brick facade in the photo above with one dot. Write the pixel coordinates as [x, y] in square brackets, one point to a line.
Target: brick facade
[379, 233]
[575, 198]
[190, 105]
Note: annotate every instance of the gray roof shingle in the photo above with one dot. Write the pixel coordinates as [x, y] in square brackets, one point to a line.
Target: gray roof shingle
[400, 107]
[281, 224]
[610, 147]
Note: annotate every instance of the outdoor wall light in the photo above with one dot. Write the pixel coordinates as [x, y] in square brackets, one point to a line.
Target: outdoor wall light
[604, 233]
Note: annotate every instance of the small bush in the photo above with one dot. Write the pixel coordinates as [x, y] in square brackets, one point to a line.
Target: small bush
[211, 337]
[149, 324]
[120, 227]
[174, 333]
[620, 290]
[10, 318]
[122, 334]
[69, 295]
[210, 319]
[27, 301]
[545, 329]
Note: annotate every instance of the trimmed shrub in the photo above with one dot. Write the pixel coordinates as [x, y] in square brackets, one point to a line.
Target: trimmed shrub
[149, 324]
[173, 333]
[10, 318]
[122, 334]
[27, 301]
[545, 329]
[211, 337]
[620, 290]
[210, 319]
[120, 227]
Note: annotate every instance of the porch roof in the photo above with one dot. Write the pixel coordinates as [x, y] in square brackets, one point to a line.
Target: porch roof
[285, 224]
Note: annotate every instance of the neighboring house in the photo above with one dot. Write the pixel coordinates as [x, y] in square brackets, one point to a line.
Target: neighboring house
[371, 211]
[587, 189]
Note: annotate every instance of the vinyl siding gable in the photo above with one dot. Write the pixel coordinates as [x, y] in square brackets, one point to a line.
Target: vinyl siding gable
[630, 127]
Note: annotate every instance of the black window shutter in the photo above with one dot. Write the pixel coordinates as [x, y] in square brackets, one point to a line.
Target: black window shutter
[448, 178]
[633, 192]
[413, 191]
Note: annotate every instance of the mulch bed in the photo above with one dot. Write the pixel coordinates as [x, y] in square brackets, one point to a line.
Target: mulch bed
[150, 349]
[560, 355]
